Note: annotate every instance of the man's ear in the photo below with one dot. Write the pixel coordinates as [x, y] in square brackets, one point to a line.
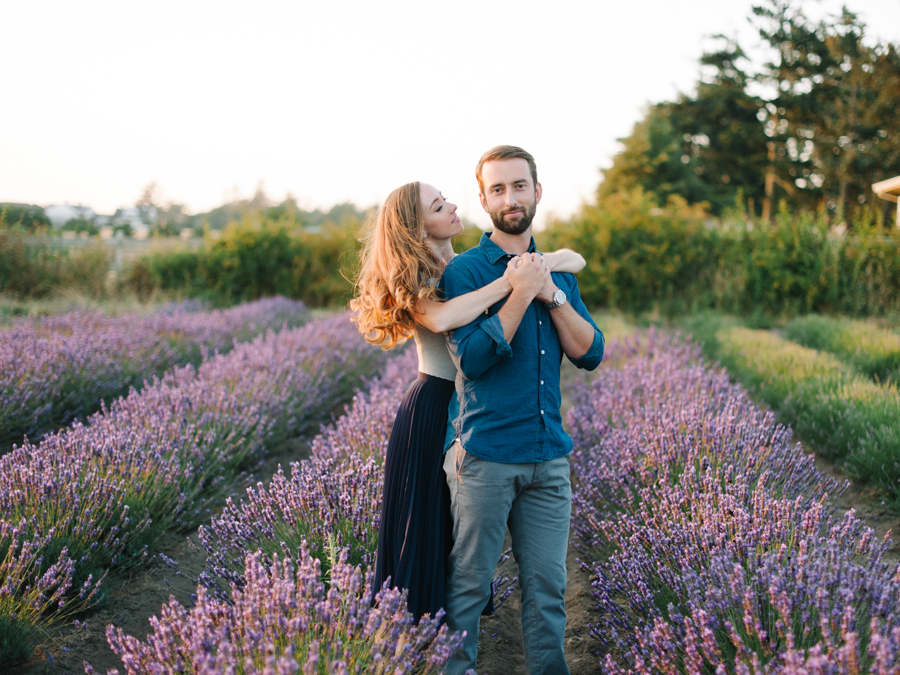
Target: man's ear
[538, 191]
[483, 202]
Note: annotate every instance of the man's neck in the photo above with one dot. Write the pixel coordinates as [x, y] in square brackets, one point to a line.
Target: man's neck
[516, 244]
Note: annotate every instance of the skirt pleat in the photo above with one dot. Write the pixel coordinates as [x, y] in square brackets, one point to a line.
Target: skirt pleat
[416, 532]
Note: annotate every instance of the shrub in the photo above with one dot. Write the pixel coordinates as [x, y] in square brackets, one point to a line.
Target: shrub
[332, 499]
[34, 267]
[25, 217]
[156, 459]
[34, 583]
[638, 255]
[710, 538]
[253, 259]
[55, 369]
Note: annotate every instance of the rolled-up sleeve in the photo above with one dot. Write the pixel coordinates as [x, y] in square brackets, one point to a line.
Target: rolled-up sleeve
[592, 358]
[477, 346]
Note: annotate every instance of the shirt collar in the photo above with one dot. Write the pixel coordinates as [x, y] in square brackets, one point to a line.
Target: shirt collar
[494, 253]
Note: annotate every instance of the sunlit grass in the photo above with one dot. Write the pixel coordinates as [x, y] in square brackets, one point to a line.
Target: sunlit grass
[873, 350]
[845, 415]
[70, 300]
[613, 324]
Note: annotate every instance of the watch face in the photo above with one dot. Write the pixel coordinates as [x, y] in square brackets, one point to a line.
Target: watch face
[559, 297]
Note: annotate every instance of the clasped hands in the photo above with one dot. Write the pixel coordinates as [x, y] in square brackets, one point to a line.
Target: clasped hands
[530, 274]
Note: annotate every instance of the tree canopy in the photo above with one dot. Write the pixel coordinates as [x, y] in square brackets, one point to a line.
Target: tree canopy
[814, 125]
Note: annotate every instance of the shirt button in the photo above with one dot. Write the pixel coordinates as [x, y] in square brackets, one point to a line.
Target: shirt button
[542, 382]
[540, 323]
[542, 351]
[542, 412]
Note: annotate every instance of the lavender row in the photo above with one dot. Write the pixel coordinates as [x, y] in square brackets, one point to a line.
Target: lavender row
[330, 501]
[710, 537]
[285, 620]
[56, 369]
[153, 460]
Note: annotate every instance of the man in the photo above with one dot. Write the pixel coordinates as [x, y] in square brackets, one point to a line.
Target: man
[506, 451]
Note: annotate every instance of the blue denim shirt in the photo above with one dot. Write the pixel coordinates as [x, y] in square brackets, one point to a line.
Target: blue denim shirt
[506, 405]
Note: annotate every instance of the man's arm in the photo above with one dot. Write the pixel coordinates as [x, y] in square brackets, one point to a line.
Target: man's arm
[477, 346]
[576, 336]
[579, 336]
[527, 281]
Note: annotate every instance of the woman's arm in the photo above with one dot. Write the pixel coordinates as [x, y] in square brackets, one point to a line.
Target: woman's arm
[439, 317]
[565, 260]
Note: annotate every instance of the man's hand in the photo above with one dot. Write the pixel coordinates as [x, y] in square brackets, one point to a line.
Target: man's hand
[530, 275]
[527, 279]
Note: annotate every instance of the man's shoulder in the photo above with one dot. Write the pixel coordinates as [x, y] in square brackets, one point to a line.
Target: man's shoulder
[565, 280]
[467, 257]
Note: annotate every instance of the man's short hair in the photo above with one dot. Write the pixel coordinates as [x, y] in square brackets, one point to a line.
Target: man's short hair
[505, 152]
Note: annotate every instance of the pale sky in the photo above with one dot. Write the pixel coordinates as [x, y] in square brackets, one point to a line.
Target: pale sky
[336, 101]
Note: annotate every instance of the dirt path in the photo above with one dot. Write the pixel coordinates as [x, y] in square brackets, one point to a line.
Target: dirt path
[500, 645]
[868, 507]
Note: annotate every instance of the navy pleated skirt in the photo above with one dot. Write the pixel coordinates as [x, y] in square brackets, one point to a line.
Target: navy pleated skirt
[416, 530]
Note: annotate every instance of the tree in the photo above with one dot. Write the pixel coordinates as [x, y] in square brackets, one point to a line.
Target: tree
[150, 195]
[852, 114]
[820, 132]
[654, 159]
[782, 24]
[835, 102]
[720, 129]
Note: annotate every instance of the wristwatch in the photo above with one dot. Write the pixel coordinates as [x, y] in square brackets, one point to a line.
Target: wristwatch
[559, 299]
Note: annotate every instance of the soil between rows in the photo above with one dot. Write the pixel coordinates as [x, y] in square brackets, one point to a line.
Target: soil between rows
[136, 597]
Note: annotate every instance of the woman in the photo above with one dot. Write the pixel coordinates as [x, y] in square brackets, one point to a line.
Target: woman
[403, 258]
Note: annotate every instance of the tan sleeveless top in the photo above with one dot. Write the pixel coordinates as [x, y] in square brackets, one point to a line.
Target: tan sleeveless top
[434, 358]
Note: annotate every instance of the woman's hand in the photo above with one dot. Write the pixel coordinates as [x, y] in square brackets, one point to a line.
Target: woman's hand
[529, 274]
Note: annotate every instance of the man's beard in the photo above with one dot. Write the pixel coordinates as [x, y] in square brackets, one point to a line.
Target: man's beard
[514, 227]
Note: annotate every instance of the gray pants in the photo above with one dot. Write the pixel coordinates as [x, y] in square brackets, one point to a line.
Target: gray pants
[534, 500]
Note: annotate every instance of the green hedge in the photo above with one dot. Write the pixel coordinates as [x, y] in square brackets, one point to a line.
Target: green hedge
[256, 258]
[253, 259]
[641, 257]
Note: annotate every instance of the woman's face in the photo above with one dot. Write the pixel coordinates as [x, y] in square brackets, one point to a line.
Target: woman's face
[441, 221]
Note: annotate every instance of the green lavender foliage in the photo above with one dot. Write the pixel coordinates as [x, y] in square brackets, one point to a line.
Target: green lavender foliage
[862, 344]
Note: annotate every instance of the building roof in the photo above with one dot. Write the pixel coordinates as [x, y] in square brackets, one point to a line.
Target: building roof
[888, 189]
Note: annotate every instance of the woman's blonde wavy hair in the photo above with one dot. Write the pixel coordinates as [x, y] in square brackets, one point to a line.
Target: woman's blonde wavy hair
[397, 268]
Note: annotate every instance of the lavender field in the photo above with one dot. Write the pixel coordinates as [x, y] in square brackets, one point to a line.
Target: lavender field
[93, 498]
[58, 368]
[710, 539]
